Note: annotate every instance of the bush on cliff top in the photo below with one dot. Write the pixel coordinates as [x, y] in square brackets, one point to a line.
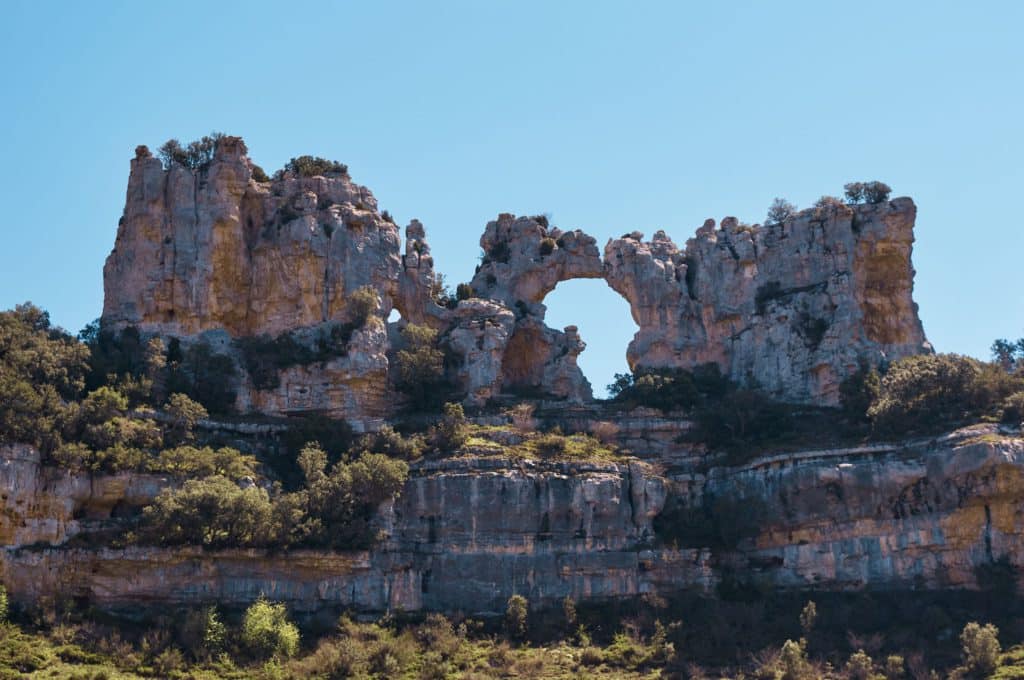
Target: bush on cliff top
[933, 392]
[313, 166]
[333, 509]
[196, 155]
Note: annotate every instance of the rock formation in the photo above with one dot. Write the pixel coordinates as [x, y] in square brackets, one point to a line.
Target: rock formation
[211, 248]
[466, 534]
[792, 307]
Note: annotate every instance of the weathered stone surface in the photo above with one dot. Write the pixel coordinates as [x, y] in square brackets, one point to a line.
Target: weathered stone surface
[50, 505]
[478, 334]
[791, 307]
[212, 249]
[518, 269]
[467, 534]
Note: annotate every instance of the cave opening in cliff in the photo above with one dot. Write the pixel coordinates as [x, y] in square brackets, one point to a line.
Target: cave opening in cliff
[604, 321]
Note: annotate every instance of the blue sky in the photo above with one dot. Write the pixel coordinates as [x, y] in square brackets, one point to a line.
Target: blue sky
[611, 117]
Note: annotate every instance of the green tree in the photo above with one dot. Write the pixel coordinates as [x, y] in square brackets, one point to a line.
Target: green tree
[41, 368]
[516, 610]
[363, 303]
[808, 617]
[860, 666]
[793, 662]
[213, 512]
[981, 648]
[932, 391]
[452, 432]
[184, 414]
[420, 367]
[267, 631]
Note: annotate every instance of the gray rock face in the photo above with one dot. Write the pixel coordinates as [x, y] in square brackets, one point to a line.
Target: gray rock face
[467, 534]
[210, 249]
[791, 307]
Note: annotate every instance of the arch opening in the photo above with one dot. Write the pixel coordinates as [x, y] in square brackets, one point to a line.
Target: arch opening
[605, 324]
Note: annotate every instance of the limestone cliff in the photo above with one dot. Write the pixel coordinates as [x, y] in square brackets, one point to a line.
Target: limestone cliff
[466, 534]
[792, 307]
[211, 248]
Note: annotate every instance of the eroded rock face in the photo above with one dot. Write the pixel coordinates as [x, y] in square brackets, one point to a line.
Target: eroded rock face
[212, 249]
[524, 260]
[47, 505]
[467, 534]
[790, 307]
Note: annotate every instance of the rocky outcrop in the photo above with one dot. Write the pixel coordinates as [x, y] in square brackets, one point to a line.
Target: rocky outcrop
[211, 248]
[466, 534]
[47, 505]
[791, 307]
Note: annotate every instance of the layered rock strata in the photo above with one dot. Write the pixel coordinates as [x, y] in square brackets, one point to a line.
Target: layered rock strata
[467, 534]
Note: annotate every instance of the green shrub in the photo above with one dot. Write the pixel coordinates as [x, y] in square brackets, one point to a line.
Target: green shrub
[547, 246]
[793, 662]
[197, 155]
[867, 192]
[857, 392]
[419, 368]
[854, 192]
[258, 175]
[451, 433]
[335, 508]
[41, 367]
[808, 617]
[3, 604]
[184, 414]
[202, 374]
[859, 666]
[741, 420]
[264, 357]
[930, 392]
[981, 649]
[189, 461]
[550, 445]
[312, 166]
[1009, 354]
[389, 442]
[363, 303]
[876, 192]
[516, 610]
[213, 512]
[669, 388]
[267, 631]
[1013, 409]
[463, 291]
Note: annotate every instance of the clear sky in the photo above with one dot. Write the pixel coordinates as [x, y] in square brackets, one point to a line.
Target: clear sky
[611, 117]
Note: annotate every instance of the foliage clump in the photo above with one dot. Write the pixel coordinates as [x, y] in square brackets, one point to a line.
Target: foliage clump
[313, 166]
[267, 631]
[41, 369]
[780, 211]
[419, 368]
[929, 392]
[196, 155]
[333, 509]
[867, 192]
